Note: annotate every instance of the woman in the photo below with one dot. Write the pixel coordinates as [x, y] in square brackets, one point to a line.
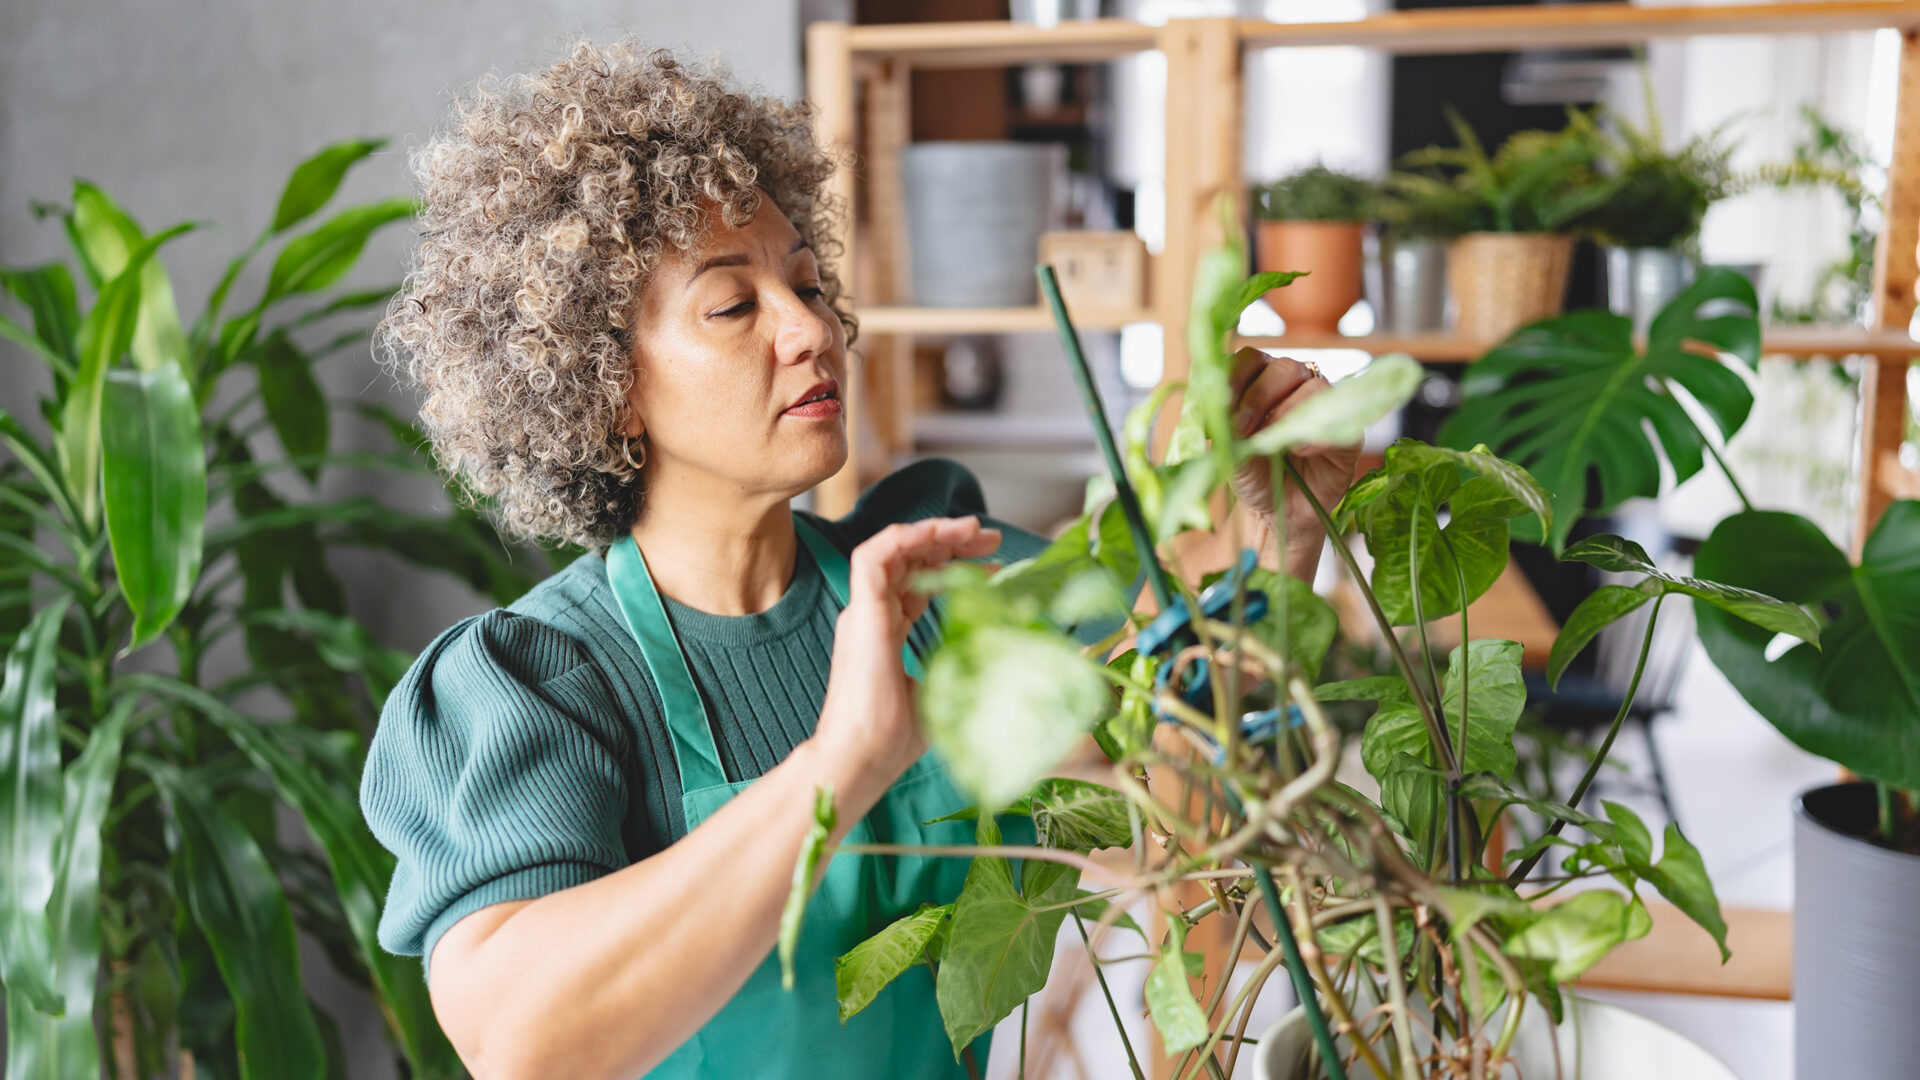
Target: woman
[625, 317]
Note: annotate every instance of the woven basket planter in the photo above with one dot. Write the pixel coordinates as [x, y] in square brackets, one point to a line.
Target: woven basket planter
[1502, 281]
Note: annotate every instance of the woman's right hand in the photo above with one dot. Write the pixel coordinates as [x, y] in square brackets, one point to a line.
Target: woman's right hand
[868, 714]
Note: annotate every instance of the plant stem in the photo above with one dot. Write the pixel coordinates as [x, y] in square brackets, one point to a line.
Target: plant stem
[1745, 503]
[1297, 969]
[1435, 730]
[1025, 1007]
[1133, 1062]
[1599, 758]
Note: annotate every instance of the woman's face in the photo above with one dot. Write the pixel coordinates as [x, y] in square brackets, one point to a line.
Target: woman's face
[740, 367]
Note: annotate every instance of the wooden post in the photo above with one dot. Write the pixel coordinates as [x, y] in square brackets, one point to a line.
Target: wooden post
[889, 127]
[1896, 268]
[1202, 161]
[830, 90]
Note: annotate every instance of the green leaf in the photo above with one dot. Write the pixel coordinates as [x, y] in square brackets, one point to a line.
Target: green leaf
[1004, 704]
[1079, 816]
[112, 238]
[43, 1047]
[1170, 998]
[1856, 699]
[1623, 556]
[1570, 397]
[155, 480]
[1095, 909]
[1496, 693]
[317, 259]
[1573, 935]
[328, 803]
[1341, 414]
[30, 809]
[1606, 605]
[293, 400]
[238, 905]
[44, 469]
[1230, 306]
[1184, 493]
[868, 967]
[316, 179]
[344, 645]
[104, 335]
[812, 847]
[999, 946]
[48, 293]
[1681, 877]
[1311, 623]
[1401, 520]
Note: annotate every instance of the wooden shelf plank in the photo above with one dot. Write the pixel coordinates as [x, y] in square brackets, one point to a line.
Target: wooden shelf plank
[1801, 342]
[1458, 30]
[926, 320]
[1677, 957]
[993, 44]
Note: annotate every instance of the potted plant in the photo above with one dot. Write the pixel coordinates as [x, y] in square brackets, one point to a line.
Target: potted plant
[1851, 693]
[1508, 265]
[170, 506]
[1421, 215]
[1314, 217]
[1650, 221]
[1411, 959]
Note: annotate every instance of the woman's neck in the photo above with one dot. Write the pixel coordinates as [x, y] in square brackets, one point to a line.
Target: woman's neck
[724, 553]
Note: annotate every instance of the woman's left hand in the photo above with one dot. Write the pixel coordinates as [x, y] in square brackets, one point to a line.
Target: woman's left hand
[1264, 388]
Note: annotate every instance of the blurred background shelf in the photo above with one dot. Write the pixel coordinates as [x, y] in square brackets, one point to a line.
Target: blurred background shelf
[1803, 342]
[1019, 320]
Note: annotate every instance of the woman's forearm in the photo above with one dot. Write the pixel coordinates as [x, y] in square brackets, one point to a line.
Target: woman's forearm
[606, 979]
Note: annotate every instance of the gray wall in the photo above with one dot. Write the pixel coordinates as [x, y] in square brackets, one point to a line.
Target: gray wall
[198, 109]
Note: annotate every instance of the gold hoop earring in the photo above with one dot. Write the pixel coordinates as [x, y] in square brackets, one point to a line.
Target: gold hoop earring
[626, 451]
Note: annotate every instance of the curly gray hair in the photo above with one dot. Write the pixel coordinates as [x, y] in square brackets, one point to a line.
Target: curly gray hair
[546, 202]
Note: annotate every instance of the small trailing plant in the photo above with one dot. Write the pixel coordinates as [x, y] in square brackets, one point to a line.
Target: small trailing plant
[1411, 957]
[1318, 193]
[1535, 182]
[162, 514]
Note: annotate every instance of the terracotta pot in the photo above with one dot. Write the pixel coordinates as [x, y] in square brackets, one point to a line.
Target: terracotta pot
[1331, 251]
[1502, 281]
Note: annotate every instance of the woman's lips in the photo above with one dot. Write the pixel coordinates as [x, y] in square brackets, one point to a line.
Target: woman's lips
[825, 408]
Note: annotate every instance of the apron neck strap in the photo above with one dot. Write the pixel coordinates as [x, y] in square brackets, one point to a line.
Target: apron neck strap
[694, 753]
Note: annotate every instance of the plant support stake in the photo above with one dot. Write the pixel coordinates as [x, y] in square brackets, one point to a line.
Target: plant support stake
[1163, 592]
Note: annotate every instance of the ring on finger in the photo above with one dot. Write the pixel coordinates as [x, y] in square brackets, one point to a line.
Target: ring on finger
[1313, 369]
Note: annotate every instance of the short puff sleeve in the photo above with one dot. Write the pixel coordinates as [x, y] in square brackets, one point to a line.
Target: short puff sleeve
[499, 772]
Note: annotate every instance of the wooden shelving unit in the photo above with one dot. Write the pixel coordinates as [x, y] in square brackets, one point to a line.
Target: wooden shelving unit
[1203, 160]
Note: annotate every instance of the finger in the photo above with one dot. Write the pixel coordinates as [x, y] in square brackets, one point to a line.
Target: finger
[1273, 386]
[1248, 362]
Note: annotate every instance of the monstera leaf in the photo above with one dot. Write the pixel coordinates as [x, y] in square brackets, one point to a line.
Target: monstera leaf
[1856, 699]
[1571, 398]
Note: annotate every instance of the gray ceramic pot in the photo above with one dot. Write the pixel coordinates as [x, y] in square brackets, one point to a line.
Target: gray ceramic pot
[1409, 283]
[975, 212]
[1856, 952]
[1640, 281]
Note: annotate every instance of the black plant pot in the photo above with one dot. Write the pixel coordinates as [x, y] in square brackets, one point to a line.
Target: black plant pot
[1856, 941]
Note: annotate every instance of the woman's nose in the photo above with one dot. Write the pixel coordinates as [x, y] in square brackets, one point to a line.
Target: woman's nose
[803, 333]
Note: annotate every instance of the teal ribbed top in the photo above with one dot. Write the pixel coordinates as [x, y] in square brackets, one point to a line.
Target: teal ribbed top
[525, 750]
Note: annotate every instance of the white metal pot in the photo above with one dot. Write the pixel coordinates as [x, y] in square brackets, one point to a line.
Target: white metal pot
[1596, 1041]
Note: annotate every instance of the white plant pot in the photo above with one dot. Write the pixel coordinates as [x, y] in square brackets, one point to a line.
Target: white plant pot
[1597, 1041]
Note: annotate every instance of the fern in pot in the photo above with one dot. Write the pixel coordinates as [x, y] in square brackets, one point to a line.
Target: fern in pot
[1221, 808]
[1515, 211]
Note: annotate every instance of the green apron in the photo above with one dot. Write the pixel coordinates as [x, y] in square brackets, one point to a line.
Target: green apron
[765, 1031]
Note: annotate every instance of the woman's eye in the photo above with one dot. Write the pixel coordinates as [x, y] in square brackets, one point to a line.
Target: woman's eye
[811, 292]
[740, 308]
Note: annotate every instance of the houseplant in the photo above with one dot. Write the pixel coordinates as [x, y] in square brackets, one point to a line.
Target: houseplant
[1419, 220]
[1851, 695]
[1518, 209]
[163, 515]
[1314, 217]
[1380, 910]
[1650, 221]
